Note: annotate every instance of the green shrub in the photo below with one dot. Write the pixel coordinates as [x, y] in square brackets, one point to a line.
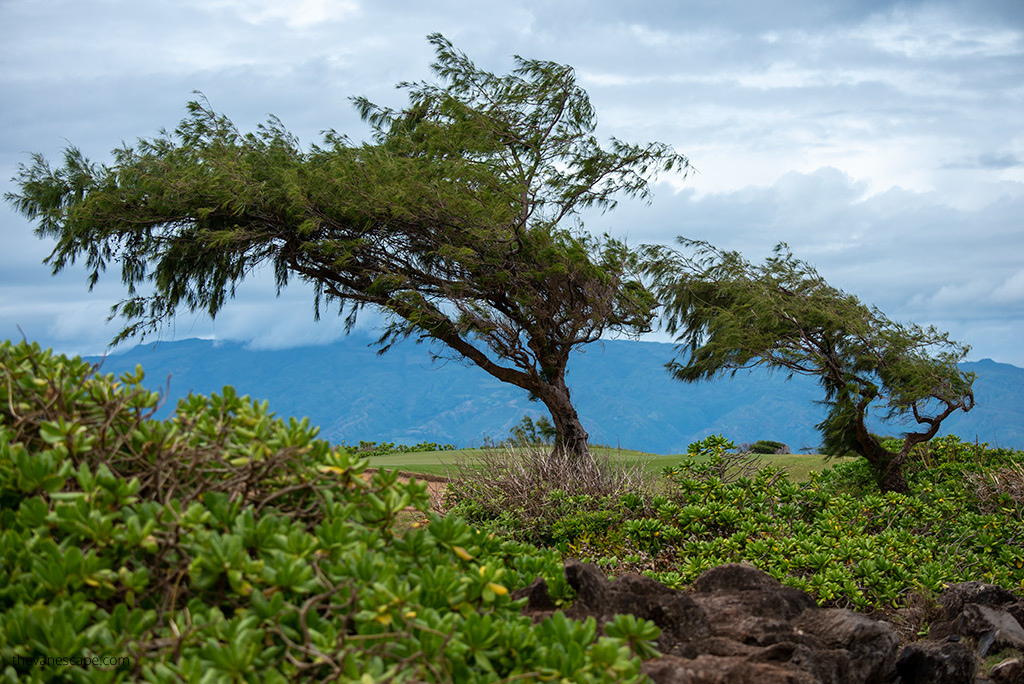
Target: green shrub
[226, 544]
[717, 457]
[767, 446]
[370, 449]
[532, 433]
[834, 536]
[527, 433]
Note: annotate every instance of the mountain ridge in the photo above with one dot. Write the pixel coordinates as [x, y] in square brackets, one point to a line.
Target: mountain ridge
[623, 393]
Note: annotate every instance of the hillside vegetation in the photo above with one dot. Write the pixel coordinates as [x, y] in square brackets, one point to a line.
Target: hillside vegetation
[228, 544]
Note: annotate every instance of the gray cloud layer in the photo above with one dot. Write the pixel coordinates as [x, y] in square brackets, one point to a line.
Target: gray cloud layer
[883, 141]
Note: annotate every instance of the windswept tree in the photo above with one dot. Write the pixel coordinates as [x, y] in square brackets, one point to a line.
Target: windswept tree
[729, 314]
[459, 220]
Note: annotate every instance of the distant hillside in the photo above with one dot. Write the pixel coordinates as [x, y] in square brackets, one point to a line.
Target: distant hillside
[624, 396]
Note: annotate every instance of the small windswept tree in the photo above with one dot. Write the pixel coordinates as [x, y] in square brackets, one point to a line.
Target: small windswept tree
[530, 433]
[729, 314]
[459, 221]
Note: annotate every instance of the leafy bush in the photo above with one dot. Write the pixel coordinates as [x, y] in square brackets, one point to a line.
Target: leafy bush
[532, 433]
[834, 536]
[527, 433]
[715, 456]
[767, 446]
[370, 449]
[226, 544]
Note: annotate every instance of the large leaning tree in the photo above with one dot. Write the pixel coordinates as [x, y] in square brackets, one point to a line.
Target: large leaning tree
[729, 314]
[459, 219]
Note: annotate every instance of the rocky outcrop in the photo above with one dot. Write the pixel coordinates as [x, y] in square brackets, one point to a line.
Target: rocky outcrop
[737, 624]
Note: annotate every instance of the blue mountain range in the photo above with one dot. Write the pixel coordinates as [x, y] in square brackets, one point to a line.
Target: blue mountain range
[621, 389]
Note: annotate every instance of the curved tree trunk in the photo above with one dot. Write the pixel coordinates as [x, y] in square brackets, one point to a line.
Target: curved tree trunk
[891, 478]
[571, 438]
[888, 467]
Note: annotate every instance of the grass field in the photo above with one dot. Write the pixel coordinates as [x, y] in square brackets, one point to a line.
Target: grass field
[798, 466]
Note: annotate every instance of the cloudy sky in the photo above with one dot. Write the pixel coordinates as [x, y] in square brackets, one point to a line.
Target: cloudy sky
[883, 141]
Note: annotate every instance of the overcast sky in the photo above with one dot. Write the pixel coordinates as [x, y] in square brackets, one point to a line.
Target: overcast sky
[883, 141]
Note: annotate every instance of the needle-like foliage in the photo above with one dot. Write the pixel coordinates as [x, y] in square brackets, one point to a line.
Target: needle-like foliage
[728, 314]
[459, 220]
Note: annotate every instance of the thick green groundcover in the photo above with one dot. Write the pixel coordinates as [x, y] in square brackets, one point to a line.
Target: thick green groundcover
[226, 544]
[834, 536]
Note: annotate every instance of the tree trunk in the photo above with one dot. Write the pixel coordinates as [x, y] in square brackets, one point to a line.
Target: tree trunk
[888, 469]
[887, 465]
[891, 478]
[571, 438]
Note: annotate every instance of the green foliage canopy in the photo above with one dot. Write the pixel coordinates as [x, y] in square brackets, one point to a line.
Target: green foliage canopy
[459, 220]
[228, 544]
[729, 314]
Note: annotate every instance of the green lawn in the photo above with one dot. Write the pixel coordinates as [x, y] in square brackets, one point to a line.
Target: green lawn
[798, 466]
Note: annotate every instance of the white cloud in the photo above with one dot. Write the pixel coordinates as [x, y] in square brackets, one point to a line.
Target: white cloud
[1011, 290]
[933, 33]
[295, 13]
[909, 253]
[972, 293]
[880, 140]
[687, 39]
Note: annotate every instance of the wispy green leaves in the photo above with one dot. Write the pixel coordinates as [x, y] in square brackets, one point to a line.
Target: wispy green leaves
[459, 220]
[729, 314]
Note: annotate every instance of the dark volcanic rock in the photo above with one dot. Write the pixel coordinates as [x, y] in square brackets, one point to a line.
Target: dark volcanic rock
[680, 619]
[705, 669]
[991, 628]
[955, 596]
[538, 598]
[869, 646]
[1009, 671]
[933, 662]
[738, 624]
